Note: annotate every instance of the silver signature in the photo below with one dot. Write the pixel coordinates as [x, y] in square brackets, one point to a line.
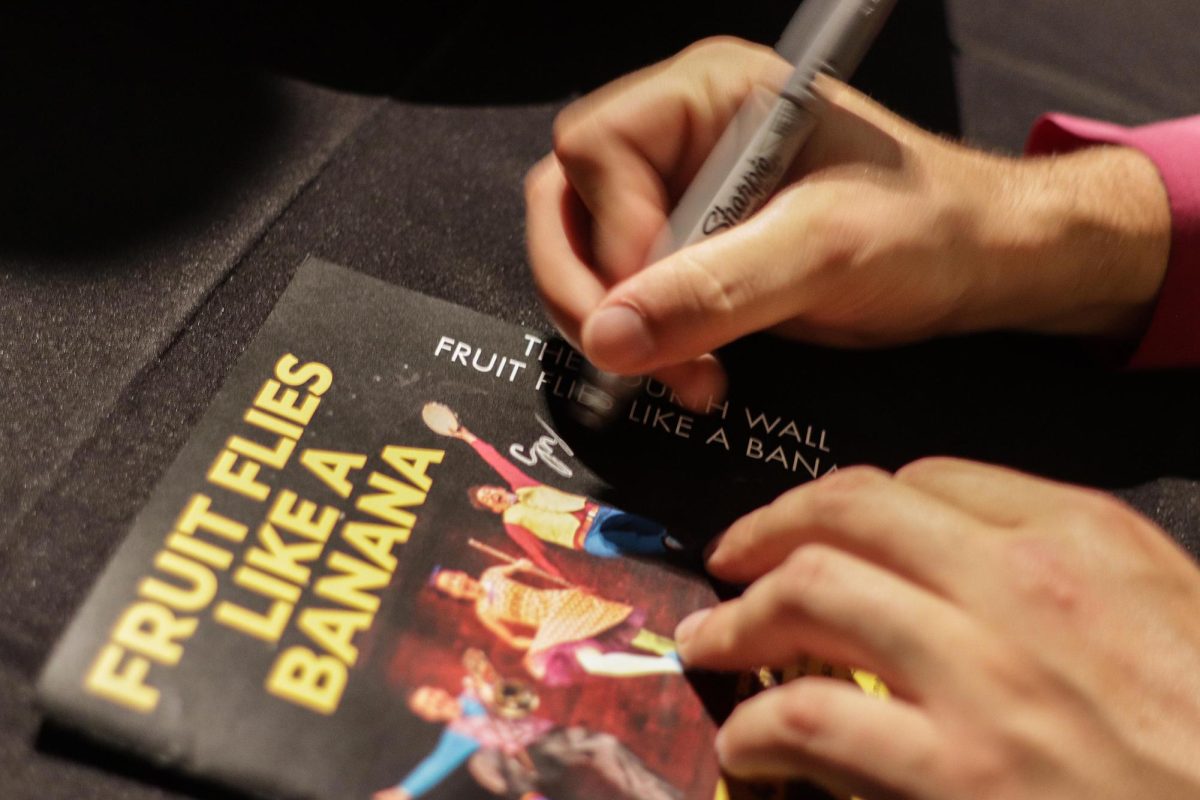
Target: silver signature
[543, 451]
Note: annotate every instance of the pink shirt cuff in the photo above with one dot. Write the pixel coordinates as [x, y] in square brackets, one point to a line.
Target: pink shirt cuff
[1172, 338]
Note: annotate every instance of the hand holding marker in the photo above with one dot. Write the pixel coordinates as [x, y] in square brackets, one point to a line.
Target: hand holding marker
[750, 159]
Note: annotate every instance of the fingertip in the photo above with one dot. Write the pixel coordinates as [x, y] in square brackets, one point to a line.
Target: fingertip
[685, 631]
[699, 385]
[724, 558]
[735, 751]
[728, 569]
[711, 548]
[555, 238]
[616, 338]
[721, 746]
[535, 177]
[716, 558]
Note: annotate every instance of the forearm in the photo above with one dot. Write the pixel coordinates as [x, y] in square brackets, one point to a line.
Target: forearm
[1075, 244]
[1171, 337]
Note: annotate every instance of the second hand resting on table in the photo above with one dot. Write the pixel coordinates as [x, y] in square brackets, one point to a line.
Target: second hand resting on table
[1041, 640]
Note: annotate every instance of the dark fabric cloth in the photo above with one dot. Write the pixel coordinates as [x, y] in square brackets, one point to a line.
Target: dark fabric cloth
[161, 187]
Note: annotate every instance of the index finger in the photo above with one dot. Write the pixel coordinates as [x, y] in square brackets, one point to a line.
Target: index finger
[864, 511]
[1001, 495]
[556, 240]
[631, 147]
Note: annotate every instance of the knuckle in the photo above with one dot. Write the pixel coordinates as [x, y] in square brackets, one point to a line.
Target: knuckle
[981, 763]
[855, 478]
[1090, 513]
[806, 571]
[702, 285]
[921, 758]
[1116, 535]
[836, 238]
[992, 756]
[717, 48]
[1040, 574]
[982, 771]
[838, 494]
[1006, 668]
[804, 715]
[1107, 511]
[927, 467]
[725, 640]
[574, 133]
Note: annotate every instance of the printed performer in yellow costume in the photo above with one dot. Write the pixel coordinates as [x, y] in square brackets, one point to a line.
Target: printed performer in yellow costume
[564, 630]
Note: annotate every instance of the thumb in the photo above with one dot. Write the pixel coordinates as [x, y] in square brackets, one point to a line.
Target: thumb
[698, 299]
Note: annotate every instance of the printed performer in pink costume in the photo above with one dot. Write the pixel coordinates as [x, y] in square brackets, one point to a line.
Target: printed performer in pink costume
[562, 629]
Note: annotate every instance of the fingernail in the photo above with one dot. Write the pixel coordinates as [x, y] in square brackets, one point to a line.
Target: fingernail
[721, 745]
[702, 387]
[618, 334]
[685, 629]
[712, 546]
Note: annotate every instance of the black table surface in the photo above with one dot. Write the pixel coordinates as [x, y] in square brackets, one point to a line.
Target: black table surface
[165, 174]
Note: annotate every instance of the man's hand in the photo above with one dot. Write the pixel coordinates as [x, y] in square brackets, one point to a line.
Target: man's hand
[883, 234]
[1039, 640]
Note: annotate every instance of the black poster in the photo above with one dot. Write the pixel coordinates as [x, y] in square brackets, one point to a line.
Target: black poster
[380, 568]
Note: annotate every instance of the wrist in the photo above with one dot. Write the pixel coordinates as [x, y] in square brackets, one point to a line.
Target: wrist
[1081, 241]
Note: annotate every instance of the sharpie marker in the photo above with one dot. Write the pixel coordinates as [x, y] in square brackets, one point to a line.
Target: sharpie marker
[753, 154]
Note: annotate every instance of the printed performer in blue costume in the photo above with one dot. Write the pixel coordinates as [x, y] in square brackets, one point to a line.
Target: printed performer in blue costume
[534, 513]
[507, 752]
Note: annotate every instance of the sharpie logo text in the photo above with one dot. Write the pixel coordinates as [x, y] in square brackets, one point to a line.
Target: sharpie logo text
[749, 194]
